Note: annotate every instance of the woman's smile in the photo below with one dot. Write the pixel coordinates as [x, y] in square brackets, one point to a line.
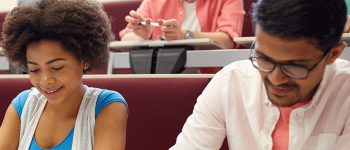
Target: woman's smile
[51, 92]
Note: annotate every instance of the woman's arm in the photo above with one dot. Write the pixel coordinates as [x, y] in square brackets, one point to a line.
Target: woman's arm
[110, 127]
[10, 130]
[221, 37]
[131, 36]
[171, 31]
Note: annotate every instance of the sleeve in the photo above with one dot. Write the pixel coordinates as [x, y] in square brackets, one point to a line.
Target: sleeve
[205, 129]
[144, 10]
[106, 97]
[20, 100]
[231, 18]
[343, 142]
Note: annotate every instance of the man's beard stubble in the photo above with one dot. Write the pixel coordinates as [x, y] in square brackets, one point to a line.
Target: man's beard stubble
[291, 99]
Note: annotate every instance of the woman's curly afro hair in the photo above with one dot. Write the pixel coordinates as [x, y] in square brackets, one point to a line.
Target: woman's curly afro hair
[81, 26]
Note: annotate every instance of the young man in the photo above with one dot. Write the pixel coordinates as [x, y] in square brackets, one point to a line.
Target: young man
[292, 94]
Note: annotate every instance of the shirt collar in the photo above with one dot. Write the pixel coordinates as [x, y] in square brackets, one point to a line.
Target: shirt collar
[267, 101]
[327, 77]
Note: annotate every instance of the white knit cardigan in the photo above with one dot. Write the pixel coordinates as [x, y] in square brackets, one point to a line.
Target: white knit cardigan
[83, 138]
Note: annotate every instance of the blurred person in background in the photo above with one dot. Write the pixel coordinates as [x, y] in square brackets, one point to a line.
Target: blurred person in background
[219, 20]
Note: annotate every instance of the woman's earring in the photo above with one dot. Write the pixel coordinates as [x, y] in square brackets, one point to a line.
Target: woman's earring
[86, 66]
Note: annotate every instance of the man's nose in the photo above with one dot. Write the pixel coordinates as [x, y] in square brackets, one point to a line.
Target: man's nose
[278, 77]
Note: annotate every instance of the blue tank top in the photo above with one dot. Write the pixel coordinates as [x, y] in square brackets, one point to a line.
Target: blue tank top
[106, 97]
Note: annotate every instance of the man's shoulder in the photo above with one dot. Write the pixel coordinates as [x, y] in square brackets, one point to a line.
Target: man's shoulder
[338, 75]
[339, 70]
[242, 67]
[342, 66]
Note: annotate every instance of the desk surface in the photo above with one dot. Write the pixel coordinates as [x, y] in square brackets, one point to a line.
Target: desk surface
[195, 59]
[198, 44]
[247, 41]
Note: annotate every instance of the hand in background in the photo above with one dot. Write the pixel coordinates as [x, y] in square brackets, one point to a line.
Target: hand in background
[143, 31]
[171, 30]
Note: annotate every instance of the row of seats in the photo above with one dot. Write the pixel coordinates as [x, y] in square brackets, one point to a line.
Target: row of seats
[152, 123]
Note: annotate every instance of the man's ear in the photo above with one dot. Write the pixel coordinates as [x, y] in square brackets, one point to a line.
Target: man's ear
[336, 52]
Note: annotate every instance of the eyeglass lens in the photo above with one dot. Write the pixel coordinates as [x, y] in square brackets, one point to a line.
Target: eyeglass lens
[291, 70]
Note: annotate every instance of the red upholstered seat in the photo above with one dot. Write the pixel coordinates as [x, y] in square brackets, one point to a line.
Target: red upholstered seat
[117, 12]
[247, 24]
[158, 107]
[10, 88]
[2, 19]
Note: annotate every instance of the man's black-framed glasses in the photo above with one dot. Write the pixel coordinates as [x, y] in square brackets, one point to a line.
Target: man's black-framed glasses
[291, 70]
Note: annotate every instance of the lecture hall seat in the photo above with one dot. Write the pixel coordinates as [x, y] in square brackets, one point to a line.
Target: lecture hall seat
[2, 19]
[158, 107]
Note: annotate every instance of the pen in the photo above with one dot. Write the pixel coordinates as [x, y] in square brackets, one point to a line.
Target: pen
[152, 24]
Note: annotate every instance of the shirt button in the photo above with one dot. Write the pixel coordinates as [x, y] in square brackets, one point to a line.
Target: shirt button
[272, 116]
[266, 146]
[180, 12]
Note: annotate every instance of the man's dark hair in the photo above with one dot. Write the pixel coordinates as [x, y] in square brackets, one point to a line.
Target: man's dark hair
[81, 26]
[320, 21]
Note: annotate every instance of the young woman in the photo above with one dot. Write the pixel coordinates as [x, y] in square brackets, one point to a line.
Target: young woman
[59, 40]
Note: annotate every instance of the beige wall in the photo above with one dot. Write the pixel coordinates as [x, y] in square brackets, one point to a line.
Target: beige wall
[8, 5]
